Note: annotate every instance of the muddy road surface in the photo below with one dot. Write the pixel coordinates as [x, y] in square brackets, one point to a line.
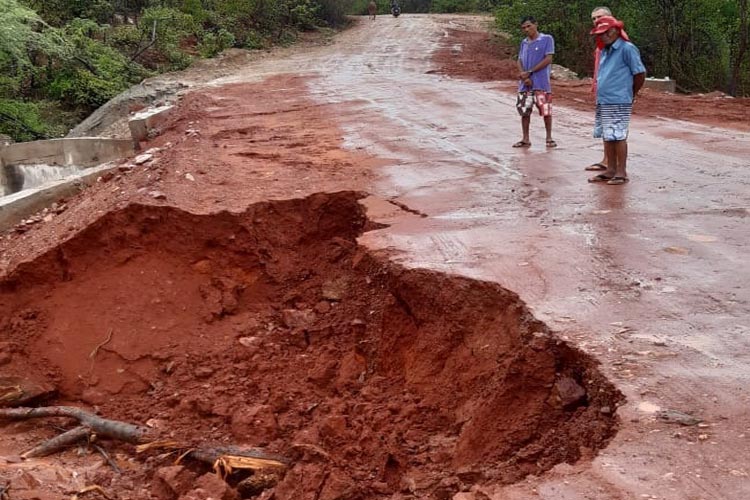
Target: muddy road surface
[336, 259]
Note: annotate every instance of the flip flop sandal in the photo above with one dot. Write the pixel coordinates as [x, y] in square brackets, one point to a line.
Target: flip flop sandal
[600, 178]
[522, 144]
[595, 167]
[616, 181]
[551, 144]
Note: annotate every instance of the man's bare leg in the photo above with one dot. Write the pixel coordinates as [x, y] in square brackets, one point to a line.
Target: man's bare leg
[525, 121]
[610, 153]
[548, 127]
[621, 152]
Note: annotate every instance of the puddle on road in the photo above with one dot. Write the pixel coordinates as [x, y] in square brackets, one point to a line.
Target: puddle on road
[274, 329]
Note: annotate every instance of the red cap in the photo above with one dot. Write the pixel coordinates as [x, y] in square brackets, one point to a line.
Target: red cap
[604, 23]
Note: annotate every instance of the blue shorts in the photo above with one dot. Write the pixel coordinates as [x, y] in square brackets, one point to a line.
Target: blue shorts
[612, 121]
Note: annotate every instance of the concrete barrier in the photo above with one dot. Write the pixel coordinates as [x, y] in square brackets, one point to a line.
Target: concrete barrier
[93, 154]
[21, 205]
[662, 84]
[79, 151]
[144, 122]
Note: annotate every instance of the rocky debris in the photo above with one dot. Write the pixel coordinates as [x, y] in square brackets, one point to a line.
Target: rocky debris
[678, 417]
[157, 195]
[251, 421]
[296, 319]
[210, 485]
[143, 158]
[257, 483]
[45, 215]
[335, 289]
[569, 392]
[562, 73]
[171, 482]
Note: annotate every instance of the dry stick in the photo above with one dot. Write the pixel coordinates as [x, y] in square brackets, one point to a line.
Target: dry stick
[106, 456]
[211, 454]
[87, 489]
[226, 457]
[102, 344]
[103, 427]
[57, 443]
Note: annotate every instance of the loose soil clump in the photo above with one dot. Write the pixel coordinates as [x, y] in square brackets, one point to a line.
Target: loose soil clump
[273, 329]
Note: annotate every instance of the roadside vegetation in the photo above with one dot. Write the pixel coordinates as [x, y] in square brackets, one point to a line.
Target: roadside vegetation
[61, 59]
[702, 44]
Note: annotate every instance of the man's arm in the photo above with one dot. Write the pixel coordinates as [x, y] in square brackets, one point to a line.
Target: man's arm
[638, 80]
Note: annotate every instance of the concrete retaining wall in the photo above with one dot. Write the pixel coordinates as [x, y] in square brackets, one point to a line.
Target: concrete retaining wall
[79, 151]
[93, 153]
[18, 206]
[661, 84]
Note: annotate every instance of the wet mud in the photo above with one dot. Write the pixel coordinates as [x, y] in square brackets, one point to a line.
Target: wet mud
[273, 328]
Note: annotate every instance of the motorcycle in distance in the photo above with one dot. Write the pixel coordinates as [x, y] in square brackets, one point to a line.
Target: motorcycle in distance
[395, 9]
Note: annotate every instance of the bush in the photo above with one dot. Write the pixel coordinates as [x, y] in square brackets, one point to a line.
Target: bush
[450, 6]
[22, 121]
[213, 43]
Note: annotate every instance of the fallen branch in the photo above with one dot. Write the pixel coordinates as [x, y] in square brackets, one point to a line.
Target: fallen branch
[224, 459]
[103, 427]
[58, 443]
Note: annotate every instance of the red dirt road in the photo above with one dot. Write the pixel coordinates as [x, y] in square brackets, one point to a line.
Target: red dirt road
[647, 278]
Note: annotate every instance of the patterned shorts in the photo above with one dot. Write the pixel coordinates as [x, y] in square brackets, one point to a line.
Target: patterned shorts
[612, 121]
[526, 100]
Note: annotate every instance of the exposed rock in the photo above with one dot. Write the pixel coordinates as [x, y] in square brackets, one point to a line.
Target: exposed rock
[298, 319]
[254, 424]
[171, 482]
[562, 73]
[569, 392]
[215, 487]
[678, 417]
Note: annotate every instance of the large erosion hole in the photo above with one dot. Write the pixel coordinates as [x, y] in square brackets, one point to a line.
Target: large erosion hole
[273, 328]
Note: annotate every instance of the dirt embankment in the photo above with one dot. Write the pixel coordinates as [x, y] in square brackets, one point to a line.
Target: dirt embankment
[273, 329]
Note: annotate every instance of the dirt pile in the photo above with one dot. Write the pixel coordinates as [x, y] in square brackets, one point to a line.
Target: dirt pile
[273, 329]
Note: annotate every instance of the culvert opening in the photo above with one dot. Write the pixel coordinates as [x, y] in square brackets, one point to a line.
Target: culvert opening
[273, 329]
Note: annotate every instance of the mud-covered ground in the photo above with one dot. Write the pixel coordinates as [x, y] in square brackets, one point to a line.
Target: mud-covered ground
[336, 258]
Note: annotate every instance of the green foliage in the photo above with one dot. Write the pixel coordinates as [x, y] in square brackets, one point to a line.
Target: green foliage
[166, 28]
[303, 14]
[23, 121]
[59, 12]
[449, 6]
[690, 41]
[99, 71]
[333, 12]
[213, 43]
